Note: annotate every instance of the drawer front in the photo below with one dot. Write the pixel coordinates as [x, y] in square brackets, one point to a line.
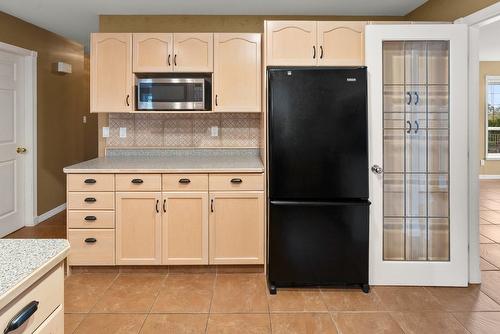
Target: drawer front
[49, 294]
[91, 200]
[91, 219]
[188, 182]
[222, 182]
[54, 323]
[91, 182]
[91, 247]
[138, 182]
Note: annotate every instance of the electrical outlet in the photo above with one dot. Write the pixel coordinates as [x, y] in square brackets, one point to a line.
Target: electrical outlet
[482, 162]
[214, 131]
[84, 119]
[105, 132]
[123, 132]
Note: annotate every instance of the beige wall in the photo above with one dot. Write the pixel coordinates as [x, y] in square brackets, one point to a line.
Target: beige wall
[491, 167]
[447, 10]
[62, 102]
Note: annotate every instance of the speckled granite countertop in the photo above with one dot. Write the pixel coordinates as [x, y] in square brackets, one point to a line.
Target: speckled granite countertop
[26, 260]
[173, 161]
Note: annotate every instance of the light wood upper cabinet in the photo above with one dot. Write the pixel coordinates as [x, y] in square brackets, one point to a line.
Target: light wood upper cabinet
[185, 228]
[138, 228]
[193, 52]
[341, 43]
[237, 227]
[153, 52]
[111, 79]
[237, 72]
[291, 43]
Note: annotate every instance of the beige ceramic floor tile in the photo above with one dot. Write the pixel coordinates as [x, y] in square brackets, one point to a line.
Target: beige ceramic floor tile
[480, 322]
[484, 240]
[491, 216]
[82, 291]
[491, 253]
[428, 323]
[111, 323]
[297, 300]
[406, 299]
[351, 300]
[491, 204]
[239, 323]
[486, 266]
[240, 293]
[130, 293]
[491, 232]
[484, 222]
[491, 284]
[71, 321]
[366, 322]
[464, 299]
[175, 323]
[302, 323]
[185, 293]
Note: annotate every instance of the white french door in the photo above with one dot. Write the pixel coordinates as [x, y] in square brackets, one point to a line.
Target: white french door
[418, 154]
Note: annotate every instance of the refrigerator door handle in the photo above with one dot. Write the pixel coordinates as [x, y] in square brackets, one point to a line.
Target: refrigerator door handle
[361, 202]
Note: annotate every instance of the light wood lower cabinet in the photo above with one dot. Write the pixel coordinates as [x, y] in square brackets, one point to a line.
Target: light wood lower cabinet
[138, 228]
[185, 228]
[237, 227]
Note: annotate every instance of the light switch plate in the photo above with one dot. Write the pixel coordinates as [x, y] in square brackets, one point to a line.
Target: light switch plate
[214, 131]
[482, 162]
[105, 132]
[123, 132]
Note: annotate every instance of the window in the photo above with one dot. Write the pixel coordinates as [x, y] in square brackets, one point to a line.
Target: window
[493, 117]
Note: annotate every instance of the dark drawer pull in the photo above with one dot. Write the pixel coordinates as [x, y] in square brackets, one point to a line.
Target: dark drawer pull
[90, 181]
[19, 319]
[137, 181]
[185, 181]
[90, 218]
[237, 180]
[91, 240]
[90, 200]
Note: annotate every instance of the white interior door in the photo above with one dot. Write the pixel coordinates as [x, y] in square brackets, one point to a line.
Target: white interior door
[418, 147]
[12, 136]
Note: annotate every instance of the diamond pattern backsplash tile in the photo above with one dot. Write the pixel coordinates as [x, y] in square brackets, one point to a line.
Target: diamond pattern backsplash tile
[185, 130]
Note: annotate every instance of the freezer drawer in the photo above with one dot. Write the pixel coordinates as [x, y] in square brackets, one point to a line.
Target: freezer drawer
[313, 243]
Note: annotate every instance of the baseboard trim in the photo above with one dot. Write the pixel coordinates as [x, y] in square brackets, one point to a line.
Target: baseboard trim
[49, 214]
[489, 177]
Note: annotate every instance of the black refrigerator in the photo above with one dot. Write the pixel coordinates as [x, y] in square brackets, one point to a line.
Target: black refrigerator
[318, 208]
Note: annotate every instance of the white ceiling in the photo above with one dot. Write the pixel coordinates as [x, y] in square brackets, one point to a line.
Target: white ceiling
[489, 45]
[75, 19]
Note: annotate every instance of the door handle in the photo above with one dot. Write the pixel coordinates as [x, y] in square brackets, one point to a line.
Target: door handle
[21, 150]
[90, 218]
[90, 200]
[409, 100]
[91, 240]
[137, 181]
[164, 205]
[216, 99]
[90, 181]
[20, 318]
[211, 205]
[175, 60]
[321, 52]
[236, 180]
[377, 169]
[128, 100]
[409, 130]
[157, 202]
[418, 126]
[314, 51]
[417, 98]
[185, 181]
[169, 60]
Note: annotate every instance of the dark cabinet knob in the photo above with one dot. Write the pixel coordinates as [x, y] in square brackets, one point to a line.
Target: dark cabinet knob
[184, 181]
[90, 200]
[90, 240]
[90, 181]
[137, 181]
[90, 218]
[20, 318]
[236, 180]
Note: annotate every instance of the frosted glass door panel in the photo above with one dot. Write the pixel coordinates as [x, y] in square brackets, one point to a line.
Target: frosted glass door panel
[416, 99]
[416, 195]
[394, 98]
[394, 63]
[394, 150]
[416, 63]
[438, 195]
[438, 60]
[439, 239]
[438, 151]
[416, 239]
[438, 99]
[394, 195]
[394, 239]
[416, 151]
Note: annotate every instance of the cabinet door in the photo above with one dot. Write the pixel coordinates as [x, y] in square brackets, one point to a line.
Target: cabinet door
[138, 228]
[341, 43]
[193, 52]
[111, 83]
[237, 227]
[153, 52]
[291, 43]
[185, 228]
[237, 72]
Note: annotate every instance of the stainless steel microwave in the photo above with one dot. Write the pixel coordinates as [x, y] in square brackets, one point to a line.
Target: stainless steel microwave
[173, 94]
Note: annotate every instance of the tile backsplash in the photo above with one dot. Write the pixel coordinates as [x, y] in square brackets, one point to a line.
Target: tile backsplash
[184, 130]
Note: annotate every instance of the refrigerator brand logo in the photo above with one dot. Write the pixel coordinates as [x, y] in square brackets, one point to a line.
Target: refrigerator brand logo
[351, 79]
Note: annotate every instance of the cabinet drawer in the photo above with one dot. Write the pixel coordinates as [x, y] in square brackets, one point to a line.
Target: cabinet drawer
[91, 200]
[91, 182]
[222, 182]
[91, 247]
[49, 294]
[91, 219]
[138, 182]
[179, 182]
[54, 324]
